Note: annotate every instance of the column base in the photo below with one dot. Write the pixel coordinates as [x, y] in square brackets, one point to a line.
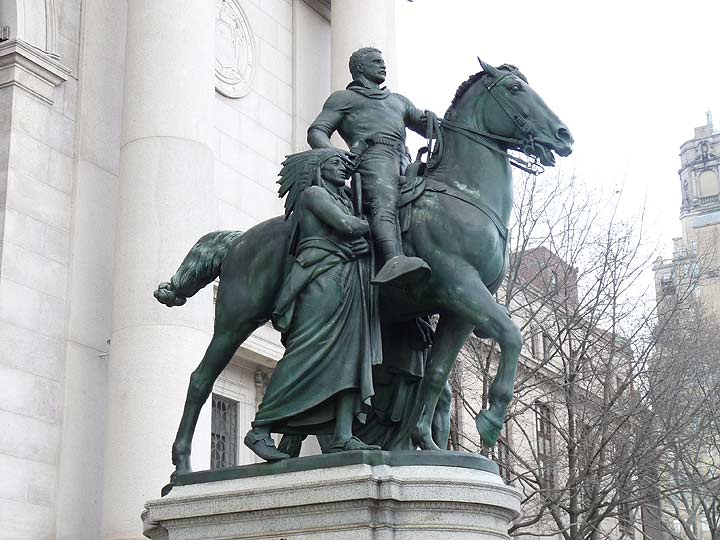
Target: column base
[373, 496]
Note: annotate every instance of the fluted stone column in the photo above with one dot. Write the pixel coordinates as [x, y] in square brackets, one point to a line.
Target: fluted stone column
[370, 23]
[165, 205]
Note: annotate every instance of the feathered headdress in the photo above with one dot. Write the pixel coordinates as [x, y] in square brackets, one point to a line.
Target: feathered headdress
[299, 172]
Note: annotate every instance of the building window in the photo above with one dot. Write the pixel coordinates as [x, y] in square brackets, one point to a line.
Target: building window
[553, 281]
[547, 346]
[224, 436]
[625, 517]
[545, 443]
[534, 342]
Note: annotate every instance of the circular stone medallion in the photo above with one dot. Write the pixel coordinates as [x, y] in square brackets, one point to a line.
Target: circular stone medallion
[234, 50]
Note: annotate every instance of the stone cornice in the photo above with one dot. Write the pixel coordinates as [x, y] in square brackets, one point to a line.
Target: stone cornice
[31, 69]
[322, 7]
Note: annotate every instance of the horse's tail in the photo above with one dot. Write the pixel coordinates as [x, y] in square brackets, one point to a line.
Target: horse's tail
[200, 266]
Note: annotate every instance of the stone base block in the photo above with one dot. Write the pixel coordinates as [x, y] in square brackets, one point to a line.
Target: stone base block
[368, 499]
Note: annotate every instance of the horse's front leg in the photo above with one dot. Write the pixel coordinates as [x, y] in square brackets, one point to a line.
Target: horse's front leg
[450, 335]
[477, 305]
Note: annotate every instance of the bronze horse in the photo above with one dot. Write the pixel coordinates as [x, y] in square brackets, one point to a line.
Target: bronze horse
[459, 227]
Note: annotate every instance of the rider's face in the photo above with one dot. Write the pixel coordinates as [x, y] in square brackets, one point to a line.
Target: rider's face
[333, 171]
[373, 67]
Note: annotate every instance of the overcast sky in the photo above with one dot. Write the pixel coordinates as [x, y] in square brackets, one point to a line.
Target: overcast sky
[631, 79]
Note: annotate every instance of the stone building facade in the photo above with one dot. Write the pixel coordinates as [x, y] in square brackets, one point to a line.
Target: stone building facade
[128, 129]
[687, 290]
[694, 268]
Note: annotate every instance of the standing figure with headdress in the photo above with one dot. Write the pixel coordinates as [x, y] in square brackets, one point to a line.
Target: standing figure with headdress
[325, 312]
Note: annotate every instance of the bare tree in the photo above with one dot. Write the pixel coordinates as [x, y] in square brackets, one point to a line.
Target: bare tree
[582, 439]
[687, 355]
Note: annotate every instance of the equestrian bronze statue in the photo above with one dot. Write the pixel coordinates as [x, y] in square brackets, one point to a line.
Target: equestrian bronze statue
[454, 218]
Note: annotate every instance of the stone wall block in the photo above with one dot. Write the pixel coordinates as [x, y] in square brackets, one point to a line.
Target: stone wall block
[230, 217]
[239, 157]
[41, 486]
[275, 62]
[276, 120]
[15, 474]
[61, 134]
[69, 20]
[57, 244]
[47, 400]
[70, 98]
[38, 199]
[69, 52]
[260, 202]
[225, 117]
[249, 105]
[34, 271]
[52, 315]
[228, 184]
[23, 306]
[34, 440]
[29, 156]
[24, 231]
[257, 138]
[285, 41]
[18, 391]
[31, 115]
[60, 172]
[25, 350]
[262, 24]
[283, 150]
[285, 100]
[280, 10]
[17, 522]
[266, 85]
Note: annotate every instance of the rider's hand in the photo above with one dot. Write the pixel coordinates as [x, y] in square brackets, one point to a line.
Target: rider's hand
[360, 247]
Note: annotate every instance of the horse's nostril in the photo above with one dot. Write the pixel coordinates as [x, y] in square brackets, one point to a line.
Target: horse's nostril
[564, 134]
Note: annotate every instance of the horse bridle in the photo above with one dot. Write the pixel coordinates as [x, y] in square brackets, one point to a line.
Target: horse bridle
[526, 145]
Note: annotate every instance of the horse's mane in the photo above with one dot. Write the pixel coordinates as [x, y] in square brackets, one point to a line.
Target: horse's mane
[465, 86]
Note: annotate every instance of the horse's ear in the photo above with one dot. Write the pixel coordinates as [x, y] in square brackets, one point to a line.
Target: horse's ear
[487, 68]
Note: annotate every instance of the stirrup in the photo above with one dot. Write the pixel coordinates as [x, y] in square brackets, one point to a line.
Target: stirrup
[402, 270]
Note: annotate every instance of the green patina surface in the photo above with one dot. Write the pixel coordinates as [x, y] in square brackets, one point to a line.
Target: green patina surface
[454, 246]
[342, 459]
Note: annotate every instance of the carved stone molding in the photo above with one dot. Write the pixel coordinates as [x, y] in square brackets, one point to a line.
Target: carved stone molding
[31, 69]
[322, 7]
[359, 500]
[234, 50]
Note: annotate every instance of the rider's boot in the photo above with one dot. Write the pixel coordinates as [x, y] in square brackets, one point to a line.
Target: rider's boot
[398, 269]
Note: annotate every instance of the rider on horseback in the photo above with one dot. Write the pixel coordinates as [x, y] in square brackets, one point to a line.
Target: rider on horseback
[372, 121]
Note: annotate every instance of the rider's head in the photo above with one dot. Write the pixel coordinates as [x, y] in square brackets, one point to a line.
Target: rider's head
[369, 63]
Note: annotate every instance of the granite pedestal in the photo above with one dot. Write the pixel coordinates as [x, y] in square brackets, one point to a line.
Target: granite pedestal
[350, 496]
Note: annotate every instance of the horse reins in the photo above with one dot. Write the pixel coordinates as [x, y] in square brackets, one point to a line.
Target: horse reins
[486, 139]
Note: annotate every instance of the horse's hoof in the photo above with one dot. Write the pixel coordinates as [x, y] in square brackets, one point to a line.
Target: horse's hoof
[488, 428]
[182, 464]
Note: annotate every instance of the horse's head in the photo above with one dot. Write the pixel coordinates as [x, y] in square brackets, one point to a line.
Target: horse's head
[503, 104]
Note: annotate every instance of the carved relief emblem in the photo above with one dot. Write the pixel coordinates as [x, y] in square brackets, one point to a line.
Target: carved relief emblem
[234, 50]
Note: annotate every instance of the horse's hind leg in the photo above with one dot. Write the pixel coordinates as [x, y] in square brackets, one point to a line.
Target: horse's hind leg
[223, 345]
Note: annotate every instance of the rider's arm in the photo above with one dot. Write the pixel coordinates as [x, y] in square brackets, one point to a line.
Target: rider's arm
[415, 119]
[327, 122]
[320, 203]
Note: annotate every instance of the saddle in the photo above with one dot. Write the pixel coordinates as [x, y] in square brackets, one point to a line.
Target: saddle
[412, 185]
